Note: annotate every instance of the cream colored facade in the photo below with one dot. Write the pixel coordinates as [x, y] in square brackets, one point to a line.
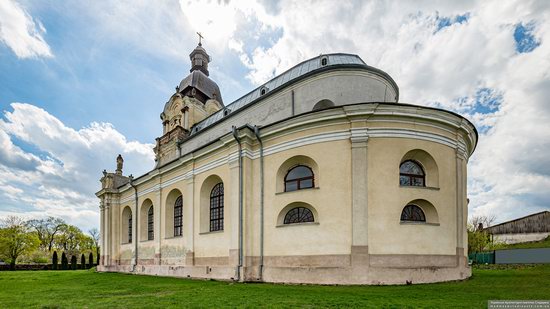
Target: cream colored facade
[340, 118]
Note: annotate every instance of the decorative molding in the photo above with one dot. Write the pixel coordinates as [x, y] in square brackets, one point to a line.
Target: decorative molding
[372, 112]
[297, 224]
[359, 137]
[360, 134]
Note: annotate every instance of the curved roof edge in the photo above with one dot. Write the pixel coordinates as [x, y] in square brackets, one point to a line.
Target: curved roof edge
[476, 133]
[296, 73]
[318, 111]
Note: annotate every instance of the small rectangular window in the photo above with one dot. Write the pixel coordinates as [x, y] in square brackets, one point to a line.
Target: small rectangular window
[404, 181]
[306, 183]
[291, 186]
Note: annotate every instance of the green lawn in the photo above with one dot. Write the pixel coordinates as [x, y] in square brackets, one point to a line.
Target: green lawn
[545, 243]
[86, 288]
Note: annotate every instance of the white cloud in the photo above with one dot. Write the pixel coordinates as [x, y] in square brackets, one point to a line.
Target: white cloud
[60, 179]
[21, 33]
[509, 174]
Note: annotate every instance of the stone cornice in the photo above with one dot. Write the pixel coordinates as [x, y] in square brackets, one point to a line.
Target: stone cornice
[464, 141]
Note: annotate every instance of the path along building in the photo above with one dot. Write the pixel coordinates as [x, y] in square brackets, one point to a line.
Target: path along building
[317, 176]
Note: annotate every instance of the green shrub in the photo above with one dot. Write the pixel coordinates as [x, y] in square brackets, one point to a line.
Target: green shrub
[73, 262]
[54, 260]
[39, 257]
[64, 261]
[90, 260]
[82, 261]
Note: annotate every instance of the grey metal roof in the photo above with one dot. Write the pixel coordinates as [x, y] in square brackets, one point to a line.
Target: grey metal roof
[199, 80]
[291, 75]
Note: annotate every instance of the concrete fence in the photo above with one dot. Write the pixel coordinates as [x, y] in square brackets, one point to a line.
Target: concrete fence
[522, 256]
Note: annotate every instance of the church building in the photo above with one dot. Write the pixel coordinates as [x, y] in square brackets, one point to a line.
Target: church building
[318, 176]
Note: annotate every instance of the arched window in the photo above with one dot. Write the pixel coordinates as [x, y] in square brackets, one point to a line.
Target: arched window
[263, 90]
[150, 224]
[323, 104]
[411, 174]
[130, 229]
[413, 213]
[178, 216]
[216, 208]
[126, 225]
[298, 215]
[299, 177]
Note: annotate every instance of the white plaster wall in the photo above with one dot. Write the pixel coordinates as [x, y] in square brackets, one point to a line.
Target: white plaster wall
[340, 86]
[519, 238]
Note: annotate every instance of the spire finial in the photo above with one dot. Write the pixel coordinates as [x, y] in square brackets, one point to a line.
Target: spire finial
[200, 38]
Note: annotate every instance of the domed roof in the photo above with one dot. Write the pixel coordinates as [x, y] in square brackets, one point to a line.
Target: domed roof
[198, 80]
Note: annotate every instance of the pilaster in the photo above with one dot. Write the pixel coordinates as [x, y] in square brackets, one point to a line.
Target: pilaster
[189, 219]
[460, 192]
[231, 226]
[114, 211]
[158, 205]
[359, 189]
[107, 248]
[135, 231]
[102, 231]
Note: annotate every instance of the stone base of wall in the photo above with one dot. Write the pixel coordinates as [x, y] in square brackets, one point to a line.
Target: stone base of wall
[197, 272]
[356, 268]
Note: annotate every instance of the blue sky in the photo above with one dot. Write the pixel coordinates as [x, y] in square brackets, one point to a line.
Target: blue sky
[82, 81]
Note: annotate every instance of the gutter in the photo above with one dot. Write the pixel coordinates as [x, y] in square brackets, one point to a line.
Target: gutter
[257, 133]
[135, 224]
[235, 135]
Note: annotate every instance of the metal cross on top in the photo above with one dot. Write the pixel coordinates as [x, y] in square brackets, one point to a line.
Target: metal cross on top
[200, 38]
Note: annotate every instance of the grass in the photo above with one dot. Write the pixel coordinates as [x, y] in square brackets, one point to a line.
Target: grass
[89, 289]
[545, 243]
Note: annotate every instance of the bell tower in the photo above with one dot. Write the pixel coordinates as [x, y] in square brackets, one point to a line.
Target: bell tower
[196, 98]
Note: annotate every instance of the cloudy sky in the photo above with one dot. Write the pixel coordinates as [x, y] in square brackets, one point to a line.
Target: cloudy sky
[81, 81]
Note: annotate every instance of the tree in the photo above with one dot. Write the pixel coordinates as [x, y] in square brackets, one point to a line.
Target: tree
[478, 238]
[94, 233]
[72, 240]
[90, 260]
[46, 230]
[54, 260]
[16, 239]
[73, 262]
[64, 261]
[82, 261]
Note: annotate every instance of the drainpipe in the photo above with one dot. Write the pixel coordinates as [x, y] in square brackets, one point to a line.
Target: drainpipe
[136, 236]
[235, 135]
[257, 133]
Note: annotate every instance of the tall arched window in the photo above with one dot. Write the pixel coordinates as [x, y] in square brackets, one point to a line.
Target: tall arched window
[150, 224]
[298, 215]
[299, 177]
[178, 216]
[130, 229]
[216, 208]
[411, 174]
[413, 213]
